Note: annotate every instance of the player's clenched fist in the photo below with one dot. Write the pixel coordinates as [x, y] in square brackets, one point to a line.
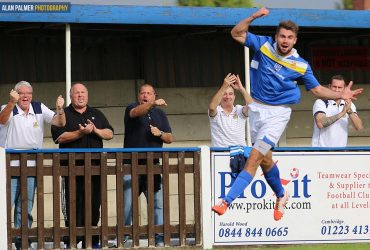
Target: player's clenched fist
[60, 102]
[14, 96]
[261, 12]
[160, 102]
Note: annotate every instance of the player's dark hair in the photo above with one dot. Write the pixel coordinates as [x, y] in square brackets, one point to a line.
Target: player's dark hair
[288, 25]
[338, 77]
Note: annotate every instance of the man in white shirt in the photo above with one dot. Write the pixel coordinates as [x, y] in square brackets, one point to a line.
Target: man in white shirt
[228, 121]
[21, 127]
[331, 118]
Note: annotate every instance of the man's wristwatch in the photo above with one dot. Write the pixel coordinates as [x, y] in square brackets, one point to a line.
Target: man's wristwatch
[160, 135]
[349, 112]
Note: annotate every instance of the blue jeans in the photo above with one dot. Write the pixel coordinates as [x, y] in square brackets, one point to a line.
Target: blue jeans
[127, 208]
[16, 199]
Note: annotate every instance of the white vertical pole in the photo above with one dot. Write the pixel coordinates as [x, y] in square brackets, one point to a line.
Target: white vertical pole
[3, 211]
[248, 88]
[206, 197]
[68, 63]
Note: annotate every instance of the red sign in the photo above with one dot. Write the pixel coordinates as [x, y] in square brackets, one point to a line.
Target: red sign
[341, 57]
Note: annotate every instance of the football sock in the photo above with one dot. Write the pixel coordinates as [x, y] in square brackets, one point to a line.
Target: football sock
[273, 179]
[241, 182]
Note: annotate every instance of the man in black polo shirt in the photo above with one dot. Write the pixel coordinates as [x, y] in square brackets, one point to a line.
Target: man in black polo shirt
[85, 127]
[146, 126]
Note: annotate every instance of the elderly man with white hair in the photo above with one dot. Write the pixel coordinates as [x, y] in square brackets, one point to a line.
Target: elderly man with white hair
[22, 127]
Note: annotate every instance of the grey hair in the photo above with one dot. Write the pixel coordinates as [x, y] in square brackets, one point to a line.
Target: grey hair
[22, 83]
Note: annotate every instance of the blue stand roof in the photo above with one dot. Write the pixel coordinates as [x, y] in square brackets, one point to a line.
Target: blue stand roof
[169, 15]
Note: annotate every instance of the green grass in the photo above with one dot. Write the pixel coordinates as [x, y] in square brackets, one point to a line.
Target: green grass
[328, 247]
[347, 246]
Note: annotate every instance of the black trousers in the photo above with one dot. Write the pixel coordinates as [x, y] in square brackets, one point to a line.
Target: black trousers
[80, 204]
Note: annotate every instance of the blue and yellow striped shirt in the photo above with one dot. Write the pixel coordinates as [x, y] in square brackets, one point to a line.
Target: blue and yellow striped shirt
[273, 77]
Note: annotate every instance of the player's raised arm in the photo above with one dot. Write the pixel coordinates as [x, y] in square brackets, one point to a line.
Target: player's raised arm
[240, 31]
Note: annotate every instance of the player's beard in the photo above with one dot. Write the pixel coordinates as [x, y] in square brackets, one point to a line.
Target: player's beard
[281, 53]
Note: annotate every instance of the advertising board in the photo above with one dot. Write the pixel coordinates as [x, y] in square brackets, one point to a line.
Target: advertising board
[330, 200]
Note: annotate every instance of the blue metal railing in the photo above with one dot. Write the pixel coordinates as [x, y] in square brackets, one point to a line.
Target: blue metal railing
[100, 150]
